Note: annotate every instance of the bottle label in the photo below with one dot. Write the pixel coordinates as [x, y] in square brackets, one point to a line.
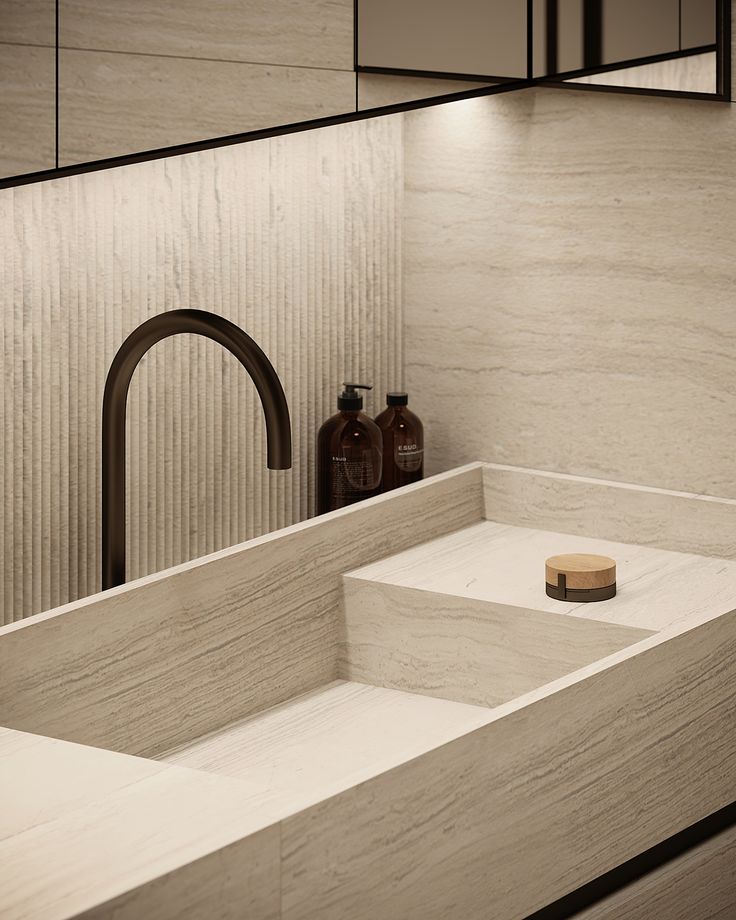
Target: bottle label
[408, 457]
[353, 479]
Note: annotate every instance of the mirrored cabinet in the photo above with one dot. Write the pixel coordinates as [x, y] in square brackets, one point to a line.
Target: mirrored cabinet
[657, 45]
[86, 81]
[420, 48]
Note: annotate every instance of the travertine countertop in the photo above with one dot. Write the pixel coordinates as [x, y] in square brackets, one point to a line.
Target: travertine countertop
[505, 564]
[419, 737]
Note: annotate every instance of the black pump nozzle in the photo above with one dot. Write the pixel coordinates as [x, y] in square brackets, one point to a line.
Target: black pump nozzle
[349, 399]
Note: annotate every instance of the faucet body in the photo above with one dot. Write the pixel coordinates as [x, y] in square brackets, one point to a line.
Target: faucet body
[114, 405]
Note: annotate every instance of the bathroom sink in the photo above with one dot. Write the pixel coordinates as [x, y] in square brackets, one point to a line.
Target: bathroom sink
[378, 712]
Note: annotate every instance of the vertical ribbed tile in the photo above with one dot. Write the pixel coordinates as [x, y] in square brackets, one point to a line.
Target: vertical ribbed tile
[295, 239]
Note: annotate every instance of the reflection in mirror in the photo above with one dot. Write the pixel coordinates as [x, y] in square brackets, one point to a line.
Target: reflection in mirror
[27, 86]
[668, 45]
[87, 81]
[378, 89]
[424, 49]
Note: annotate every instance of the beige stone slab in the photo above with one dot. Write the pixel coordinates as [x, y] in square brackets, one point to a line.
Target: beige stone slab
[79, 774]
[700, 883]
[428, 809]
[504, 564]
[27, 109]
[561, 786]
[693, 74]
[311, 33]
[85, 832]
[568, 279]
[28, 22]
[237, 882]
[375, 89]
[112, 104]
[161, 661]
[462, 649]
[326, 741]
[658, 518]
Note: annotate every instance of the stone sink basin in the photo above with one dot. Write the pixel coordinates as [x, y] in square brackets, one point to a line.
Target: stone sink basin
[376, 714]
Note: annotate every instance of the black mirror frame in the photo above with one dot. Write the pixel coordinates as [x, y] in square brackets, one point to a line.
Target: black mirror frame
[722, 47]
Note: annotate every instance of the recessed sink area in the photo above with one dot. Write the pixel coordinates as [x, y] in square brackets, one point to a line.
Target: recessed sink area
[325, 741]
[385, 737]
[438, 634]
[466, 616]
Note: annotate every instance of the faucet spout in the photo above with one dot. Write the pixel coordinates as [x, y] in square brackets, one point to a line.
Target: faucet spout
[114, 406]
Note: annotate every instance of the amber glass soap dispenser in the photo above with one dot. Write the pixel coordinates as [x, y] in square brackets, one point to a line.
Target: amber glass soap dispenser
[348, 454]
[403, 443]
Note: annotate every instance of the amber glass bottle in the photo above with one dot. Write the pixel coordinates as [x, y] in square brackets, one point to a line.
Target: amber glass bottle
[348, 454]
[403, 443]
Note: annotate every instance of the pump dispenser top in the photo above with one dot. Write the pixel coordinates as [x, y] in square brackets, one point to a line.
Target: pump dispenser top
[351, 400]
[348, 453]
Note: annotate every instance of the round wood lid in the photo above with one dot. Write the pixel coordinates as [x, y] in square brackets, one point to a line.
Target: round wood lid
[583, 571]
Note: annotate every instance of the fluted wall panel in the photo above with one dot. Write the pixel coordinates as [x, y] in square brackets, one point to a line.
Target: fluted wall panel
[295, 239]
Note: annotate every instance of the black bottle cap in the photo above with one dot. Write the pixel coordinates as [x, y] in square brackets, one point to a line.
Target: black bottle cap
[349, 399]
[397, 399]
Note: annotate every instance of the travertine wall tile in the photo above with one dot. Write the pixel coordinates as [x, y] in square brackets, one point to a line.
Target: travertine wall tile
[310, 33]
[569, 285]
[112, 104]
[296, 239]
[679, 521]
[28, 22]
[27, 109]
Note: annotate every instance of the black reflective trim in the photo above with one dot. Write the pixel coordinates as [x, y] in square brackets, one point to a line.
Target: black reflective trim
[231, 139]
[636, 868]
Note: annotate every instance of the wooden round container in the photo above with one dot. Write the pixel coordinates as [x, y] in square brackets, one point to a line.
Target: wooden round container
[580, 577]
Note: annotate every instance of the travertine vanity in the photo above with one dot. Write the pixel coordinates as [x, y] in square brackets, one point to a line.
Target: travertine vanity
[378, 713]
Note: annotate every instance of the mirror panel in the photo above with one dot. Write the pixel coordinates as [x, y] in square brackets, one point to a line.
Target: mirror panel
[672, 47]
[424, 49]
[699, 23]
[28, 82]
[124, 78]
[83, 81]
[692, 74]
[481, 38]
[656, 30]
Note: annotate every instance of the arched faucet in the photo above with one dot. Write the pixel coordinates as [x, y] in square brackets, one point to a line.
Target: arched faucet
[114, 404]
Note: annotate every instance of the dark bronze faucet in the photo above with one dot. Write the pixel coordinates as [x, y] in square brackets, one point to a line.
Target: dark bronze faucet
[114, 402]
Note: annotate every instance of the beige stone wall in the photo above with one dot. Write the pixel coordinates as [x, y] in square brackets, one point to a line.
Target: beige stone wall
[570, 285]
[296, 239]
